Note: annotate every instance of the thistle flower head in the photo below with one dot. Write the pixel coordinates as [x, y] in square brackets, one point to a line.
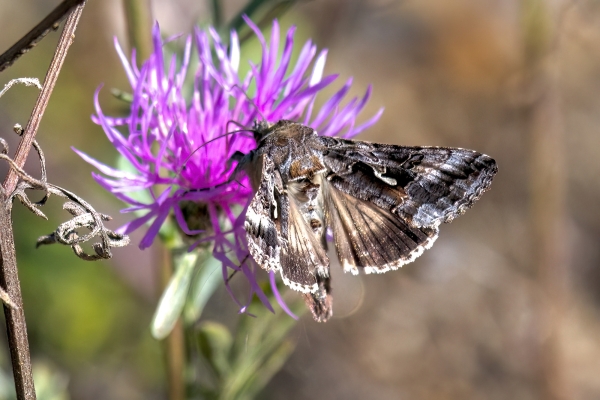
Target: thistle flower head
[174, 136]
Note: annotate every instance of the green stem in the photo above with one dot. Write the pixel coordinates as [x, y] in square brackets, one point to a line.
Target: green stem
[217, 11]
[138, 17]
[174, 344]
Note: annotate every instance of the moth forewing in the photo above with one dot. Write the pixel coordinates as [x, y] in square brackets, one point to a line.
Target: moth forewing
[261, 225]
[433, 184]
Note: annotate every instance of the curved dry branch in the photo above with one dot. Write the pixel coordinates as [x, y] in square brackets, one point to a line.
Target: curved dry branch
[84, 215]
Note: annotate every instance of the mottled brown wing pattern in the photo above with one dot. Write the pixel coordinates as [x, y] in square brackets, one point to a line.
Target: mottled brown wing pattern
[320, 303]
[304, 257]
[383, 203]
[263, 226]
[370, 239]
[424, 185]
[279, 237]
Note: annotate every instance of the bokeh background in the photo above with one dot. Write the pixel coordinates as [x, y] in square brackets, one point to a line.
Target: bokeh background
[506, 305]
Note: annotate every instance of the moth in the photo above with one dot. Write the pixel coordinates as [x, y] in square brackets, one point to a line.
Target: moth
[382, 203]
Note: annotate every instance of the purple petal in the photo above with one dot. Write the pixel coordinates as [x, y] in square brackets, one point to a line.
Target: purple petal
[278, 297]
[105, 169]
[366, 125]
[131, 76]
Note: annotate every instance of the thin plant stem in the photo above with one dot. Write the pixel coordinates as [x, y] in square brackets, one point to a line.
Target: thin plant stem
[217, 14]
[138, 16]
[139, 28]
[174, 344]
[65, 41]
[15, 317]
[9, 278]
[37, 33]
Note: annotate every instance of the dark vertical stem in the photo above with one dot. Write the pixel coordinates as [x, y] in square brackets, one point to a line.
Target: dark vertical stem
[37, 33]
[15, 317]
[138, 18]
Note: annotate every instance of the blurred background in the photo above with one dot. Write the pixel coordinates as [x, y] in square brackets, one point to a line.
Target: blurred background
[505, 305]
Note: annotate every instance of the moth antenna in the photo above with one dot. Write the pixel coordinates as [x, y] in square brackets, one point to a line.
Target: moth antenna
[242, 128]
[231, 275]
[249, 99]
[236, 270]
[231, 121]
[204, 144]
[232, 178]
[240, 183]
[227, 182]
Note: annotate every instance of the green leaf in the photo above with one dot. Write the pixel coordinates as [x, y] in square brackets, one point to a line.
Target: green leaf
[268, 369]
[173, 298]
[203, 287]
[240, 364]
[215, 343]
[259, 351]
[122, 95]
[261, 12]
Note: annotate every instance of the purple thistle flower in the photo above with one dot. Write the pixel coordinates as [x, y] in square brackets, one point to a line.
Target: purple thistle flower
[174, 143]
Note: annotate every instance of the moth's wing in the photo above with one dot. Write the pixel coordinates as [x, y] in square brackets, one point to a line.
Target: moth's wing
[263, 220]
[305, 265]
[279, 239]
[303, 257]
[423, 185]
[320, 303]
[370, 238]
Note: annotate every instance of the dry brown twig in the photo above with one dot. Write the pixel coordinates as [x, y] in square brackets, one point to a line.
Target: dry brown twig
[9, 279]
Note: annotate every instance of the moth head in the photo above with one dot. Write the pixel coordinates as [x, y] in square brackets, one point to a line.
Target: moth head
[263, 129]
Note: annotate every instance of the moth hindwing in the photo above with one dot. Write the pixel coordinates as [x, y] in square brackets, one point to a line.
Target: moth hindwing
[382, 203]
